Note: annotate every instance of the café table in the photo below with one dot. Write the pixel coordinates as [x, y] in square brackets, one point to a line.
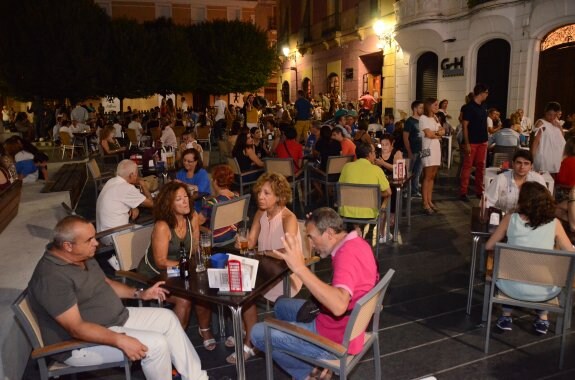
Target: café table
[491, 173]
[480, 231]
[84, 137]
[400, 185]
[270, 271]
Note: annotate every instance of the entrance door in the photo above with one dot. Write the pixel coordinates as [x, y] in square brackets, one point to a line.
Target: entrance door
[556, 79]
[493, 70]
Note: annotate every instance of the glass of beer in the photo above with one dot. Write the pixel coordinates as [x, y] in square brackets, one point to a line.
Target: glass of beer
[170, 160]
[243, 239]
[206, 247]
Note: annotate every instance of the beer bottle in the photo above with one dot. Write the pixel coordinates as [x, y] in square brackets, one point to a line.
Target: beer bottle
[184, 263]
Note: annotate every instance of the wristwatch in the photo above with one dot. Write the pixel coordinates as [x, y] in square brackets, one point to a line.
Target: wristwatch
[138, 293]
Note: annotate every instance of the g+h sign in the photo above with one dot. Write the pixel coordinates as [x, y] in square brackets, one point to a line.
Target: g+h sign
[452, 69]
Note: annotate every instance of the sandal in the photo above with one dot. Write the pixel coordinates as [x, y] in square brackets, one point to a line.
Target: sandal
[230, 342]
[209, 344]
[434, 208]
[248, 353]
[428, 211]
[320, 374]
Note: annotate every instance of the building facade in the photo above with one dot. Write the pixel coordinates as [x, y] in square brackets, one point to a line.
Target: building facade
[521, 49]
[331, 47]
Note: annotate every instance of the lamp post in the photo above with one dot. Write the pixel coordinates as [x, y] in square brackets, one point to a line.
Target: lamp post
[289, 55]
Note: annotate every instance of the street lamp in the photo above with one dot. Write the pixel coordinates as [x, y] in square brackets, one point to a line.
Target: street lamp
[289, 55]
[384, 32]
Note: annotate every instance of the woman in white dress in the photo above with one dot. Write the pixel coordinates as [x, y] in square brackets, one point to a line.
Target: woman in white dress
[431, 151]
[549, 142]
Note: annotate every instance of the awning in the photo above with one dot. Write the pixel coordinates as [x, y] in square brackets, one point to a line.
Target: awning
[373, 62]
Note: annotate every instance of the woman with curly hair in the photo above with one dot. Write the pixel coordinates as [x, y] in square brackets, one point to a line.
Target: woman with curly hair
[271, 222]
[222, 180]
[176, 225]
[533, 225]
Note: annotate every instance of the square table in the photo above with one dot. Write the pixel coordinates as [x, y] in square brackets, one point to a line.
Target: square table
[270, 271]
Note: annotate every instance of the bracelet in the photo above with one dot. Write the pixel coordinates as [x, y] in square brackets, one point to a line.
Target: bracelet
[138, 293]
[570, 200]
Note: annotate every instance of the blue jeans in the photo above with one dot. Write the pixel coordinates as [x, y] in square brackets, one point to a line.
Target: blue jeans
[286, 310]
[416, 169]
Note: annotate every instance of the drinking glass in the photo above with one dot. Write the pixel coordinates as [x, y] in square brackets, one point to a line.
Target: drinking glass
[200, 267]
[243, 239]
[206, 247]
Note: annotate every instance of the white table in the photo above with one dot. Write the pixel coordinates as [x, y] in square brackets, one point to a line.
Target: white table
[491, 173]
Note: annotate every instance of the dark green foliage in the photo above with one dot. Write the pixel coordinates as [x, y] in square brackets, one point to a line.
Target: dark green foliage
[52, 48]
[56, 49]
[232, 56]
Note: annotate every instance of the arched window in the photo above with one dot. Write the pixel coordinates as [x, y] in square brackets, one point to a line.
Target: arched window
[560, 36]
[493, 70]
[426, 86]
[285, 92]
[306, 87]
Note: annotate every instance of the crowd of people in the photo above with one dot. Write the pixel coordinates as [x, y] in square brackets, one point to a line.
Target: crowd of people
[93, 312]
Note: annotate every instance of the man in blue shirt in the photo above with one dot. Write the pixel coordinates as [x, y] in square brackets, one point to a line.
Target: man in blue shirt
[412, 141]
[303, 112]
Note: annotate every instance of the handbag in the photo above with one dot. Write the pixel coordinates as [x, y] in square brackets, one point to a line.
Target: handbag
[425, 153]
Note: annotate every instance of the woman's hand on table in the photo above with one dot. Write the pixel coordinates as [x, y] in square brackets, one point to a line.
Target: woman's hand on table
[291, 253]
[155, 292]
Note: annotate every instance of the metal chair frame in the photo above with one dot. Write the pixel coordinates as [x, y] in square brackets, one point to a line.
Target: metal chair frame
[41, 353]
[239, 175]
[367, 308]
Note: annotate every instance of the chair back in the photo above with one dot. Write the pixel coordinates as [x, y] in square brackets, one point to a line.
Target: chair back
[233, 164]
[93, 168]
[533, 266]
[500, 158]
[224, 148]
[283, 166]
[65, 138]
[368, 306]
[203, 133]
[230, 212]
[27, 319]
[156, 133]
[179, 131]
[335, 164]
[131, 246]
[358, 195]
[206, 158]
[132, 136]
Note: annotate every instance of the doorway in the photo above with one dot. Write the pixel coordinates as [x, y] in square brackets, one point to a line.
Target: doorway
[493, 70]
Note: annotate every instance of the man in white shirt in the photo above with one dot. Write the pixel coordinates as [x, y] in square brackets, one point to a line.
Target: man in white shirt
[184, 105]
[220, 118]
[80, 114]
[135, 125]
[119, 199]
[503, 191]
[56, 129]
[526, 123]
[493, 121]
[168, 137]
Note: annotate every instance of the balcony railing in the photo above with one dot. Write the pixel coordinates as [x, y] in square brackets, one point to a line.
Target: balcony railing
[330, 25]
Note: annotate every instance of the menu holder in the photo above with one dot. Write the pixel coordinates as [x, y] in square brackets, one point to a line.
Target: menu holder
[399, 169]
[222, 278]
[235, 276]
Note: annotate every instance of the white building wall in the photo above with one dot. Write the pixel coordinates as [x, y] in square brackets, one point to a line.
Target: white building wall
[522, 23]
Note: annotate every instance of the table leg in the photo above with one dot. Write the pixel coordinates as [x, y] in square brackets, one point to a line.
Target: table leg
[408, 207]
[222, 321]
[239, 349]
[472, 272]
[398, 196]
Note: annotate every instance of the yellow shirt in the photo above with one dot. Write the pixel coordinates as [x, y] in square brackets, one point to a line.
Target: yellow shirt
[252, 116]
[365, 173]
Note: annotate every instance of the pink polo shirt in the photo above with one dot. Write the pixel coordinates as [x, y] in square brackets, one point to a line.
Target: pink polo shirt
[355, 270]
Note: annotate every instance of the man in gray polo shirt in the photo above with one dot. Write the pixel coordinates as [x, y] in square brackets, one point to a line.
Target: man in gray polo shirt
[72, 298]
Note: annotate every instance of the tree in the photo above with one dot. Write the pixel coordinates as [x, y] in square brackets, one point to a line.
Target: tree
[232, 56]
[52, 48]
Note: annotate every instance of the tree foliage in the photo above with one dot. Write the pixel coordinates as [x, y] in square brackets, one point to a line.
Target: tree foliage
[51, 48]
[232, 56]
[71, 49]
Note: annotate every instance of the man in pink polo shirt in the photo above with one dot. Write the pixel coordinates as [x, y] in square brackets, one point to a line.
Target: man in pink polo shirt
[354, 274]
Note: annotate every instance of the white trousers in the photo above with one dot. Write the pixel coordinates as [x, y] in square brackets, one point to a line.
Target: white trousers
[167, 343]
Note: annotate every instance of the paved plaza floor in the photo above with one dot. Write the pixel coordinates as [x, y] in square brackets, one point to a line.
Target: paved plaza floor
[424, 330]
